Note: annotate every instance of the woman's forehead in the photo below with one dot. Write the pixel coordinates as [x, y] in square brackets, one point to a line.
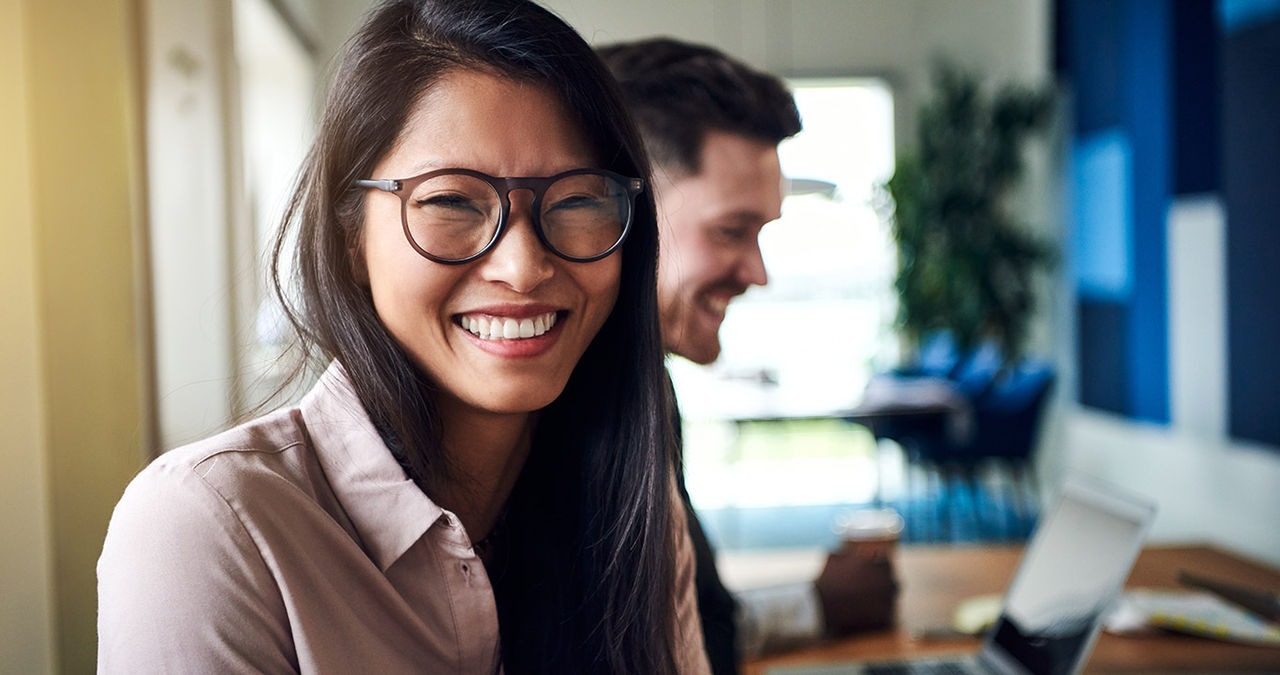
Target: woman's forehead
[492, 123]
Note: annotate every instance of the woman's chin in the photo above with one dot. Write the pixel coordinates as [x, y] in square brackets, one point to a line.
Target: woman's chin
[508, 400]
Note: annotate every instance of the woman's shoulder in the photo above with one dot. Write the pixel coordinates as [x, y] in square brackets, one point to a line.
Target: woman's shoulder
[273, 446]
[185, 546]
[214, 478]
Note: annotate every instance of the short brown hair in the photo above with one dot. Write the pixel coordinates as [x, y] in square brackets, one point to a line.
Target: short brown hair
[677, 92]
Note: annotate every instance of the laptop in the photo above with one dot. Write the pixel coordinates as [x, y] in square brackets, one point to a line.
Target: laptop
[1072, 571]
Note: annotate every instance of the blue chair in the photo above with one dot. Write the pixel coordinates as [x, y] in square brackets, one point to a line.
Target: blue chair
[1008, 403]
[1007, 422]
[938, 357]
[1008, 413]
[930, 435]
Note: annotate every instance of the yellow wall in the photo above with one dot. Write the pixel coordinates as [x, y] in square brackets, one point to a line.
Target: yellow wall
[25, 593]
[69, 304]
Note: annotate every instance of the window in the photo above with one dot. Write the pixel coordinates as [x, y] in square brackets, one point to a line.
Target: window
[227, 124]
[277, 88]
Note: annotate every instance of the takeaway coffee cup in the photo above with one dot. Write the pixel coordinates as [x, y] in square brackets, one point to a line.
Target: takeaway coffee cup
[870, 532]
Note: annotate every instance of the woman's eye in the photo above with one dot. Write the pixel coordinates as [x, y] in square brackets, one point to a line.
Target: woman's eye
[576, 202]
[447, 201]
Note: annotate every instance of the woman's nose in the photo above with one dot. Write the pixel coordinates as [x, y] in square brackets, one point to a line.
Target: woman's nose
[519, 259]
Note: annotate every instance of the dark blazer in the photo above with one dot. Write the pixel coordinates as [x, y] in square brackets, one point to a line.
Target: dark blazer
[716, 605]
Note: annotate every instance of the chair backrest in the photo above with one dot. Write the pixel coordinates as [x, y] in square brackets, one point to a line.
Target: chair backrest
[1008, 414]
[938, 354]
[977, 371]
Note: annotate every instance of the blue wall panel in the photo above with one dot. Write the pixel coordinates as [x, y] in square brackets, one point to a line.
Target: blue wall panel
[1116, 57]
[1103, 216]
[1100, 332]
[1092, 50]
[1240, 14]
[1148, 104]
[1251, 192]
[1173, 98]
[1197, 98]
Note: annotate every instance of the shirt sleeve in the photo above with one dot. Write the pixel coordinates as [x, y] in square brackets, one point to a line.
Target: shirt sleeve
[183, 588]
[776, 617]
[691, 653]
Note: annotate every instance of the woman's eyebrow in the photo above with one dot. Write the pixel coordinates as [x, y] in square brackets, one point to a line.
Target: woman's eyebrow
[424, 166]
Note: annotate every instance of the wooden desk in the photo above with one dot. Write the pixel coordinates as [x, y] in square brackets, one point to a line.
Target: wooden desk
[935, 579]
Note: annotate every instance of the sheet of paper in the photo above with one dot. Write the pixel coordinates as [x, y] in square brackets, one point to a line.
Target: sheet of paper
[1191, 612]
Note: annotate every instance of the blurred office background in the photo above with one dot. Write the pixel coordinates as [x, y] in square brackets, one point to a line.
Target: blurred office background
[148, 148]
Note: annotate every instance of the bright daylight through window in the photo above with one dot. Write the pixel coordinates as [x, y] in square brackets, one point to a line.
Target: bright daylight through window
[277, 87]
[804, 345]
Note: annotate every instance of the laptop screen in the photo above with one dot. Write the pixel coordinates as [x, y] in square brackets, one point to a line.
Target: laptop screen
[1069, 575]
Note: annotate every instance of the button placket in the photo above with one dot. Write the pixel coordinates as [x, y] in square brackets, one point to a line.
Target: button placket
[471, 592]
[457, 545]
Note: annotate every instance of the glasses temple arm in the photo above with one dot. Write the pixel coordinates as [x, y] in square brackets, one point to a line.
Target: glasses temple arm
[385, 185]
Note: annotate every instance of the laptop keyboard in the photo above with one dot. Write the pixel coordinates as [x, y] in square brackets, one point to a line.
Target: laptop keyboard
[919, 668]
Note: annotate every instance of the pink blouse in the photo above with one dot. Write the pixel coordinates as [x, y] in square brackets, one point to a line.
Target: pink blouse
[295, 543]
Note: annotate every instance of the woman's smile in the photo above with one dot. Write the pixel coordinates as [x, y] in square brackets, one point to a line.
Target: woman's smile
[520, 332]
[489, 327]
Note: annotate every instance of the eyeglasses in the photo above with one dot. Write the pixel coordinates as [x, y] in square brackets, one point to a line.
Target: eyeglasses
[453, 216]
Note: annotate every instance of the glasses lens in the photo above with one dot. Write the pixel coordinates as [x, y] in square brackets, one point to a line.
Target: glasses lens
[452, 216]
[584, 215]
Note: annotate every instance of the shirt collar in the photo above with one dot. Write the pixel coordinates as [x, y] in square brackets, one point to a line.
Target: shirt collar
[390, 513]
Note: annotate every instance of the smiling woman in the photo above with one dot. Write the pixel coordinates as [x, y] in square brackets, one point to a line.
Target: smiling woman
[481, 478]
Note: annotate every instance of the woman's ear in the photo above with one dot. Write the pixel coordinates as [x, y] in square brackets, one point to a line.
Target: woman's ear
[359, 271]
[350, 218]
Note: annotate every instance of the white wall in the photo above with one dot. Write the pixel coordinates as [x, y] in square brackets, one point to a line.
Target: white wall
[1197, 269]
[1207, 489]
[893, 39]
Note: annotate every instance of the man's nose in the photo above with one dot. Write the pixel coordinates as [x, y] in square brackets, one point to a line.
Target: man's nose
[751, 271]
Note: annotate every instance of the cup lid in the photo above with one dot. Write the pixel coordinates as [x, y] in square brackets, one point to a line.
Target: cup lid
[869, 524]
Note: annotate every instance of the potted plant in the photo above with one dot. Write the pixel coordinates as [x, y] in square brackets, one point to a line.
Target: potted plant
[966, 265]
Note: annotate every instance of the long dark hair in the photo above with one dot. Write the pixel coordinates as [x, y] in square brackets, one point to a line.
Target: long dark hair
[589, 528]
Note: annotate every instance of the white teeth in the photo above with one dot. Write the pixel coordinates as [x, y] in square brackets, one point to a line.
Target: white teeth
[499, 328]
[718, 304]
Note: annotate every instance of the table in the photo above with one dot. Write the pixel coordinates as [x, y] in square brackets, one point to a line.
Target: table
[935, 579]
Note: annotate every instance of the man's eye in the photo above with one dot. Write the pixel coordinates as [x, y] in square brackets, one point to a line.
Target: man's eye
[731, 234]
